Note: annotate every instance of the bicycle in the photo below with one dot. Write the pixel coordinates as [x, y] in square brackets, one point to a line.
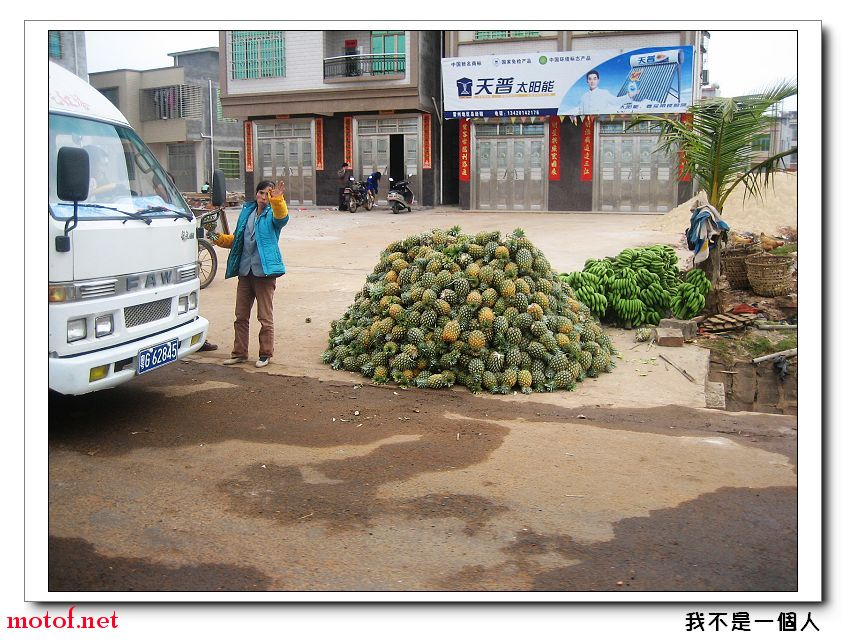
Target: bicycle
[206, 254]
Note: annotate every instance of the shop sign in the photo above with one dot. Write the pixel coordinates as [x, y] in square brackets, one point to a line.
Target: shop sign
[348, 140]
[645, 80]
[587, 149]
[684, 176]
[248, 146]
[318, 143]
[554, 149]
[464, 150]
[427, 141]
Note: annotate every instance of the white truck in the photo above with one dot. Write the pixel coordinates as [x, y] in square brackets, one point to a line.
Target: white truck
[123, 274]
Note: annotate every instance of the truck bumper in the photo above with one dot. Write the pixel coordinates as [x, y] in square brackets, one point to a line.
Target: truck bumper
[71, 375]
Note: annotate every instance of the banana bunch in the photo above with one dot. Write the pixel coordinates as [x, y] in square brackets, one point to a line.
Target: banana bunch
[689, 299]
[588, 288]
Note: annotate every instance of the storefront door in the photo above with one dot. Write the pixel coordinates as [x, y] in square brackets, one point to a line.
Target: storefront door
[286, 154]
[390, 145]
[509, 170]
[633, 176]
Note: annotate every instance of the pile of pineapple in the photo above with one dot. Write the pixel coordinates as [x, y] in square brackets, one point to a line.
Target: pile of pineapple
[443, 307]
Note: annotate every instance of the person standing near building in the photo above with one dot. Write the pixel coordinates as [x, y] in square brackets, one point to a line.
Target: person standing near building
[255, 258]
[344, 175]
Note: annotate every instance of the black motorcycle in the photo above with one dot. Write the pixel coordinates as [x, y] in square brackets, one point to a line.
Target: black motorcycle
[355, 195]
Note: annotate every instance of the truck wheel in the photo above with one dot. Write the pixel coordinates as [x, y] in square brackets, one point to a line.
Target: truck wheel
[207, 260]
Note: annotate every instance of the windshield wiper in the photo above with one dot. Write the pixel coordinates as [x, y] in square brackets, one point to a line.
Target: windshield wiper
[135, 215]
[162, 208]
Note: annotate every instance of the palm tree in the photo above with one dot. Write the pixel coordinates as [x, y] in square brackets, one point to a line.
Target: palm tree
[716, 146]
[717, 143]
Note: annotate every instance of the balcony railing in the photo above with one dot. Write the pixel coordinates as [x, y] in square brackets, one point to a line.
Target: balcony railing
[363, 65]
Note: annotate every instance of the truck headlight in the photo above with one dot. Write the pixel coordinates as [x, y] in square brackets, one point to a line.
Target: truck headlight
[182, 305]
[104, 325]
[192, 301]
[77, 329]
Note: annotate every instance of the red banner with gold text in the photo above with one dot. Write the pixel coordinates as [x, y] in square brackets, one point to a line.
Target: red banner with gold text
[587, 148]
[554, 149]
[464, 150]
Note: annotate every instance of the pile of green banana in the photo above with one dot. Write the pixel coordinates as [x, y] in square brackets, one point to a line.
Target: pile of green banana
[639, 286]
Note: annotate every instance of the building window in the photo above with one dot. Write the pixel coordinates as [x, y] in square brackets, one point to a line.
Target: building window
[761, 143]
[111, 93]
[176, 101]
[54, 40]
[229, 160]
[220, 116]
[388, 49]
[496, 35]
[258, 54]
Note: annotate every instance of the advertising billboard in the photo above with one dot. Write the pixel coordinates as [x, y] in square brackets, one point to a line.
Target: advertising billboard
[592, 82]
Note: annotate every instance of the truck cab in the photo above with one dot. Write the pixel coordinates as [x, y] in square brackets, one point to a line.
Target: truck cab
[122, 242]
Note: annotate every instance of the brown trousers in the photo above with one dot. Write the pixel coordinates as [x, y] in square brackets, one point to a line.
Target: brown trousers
[260, 289]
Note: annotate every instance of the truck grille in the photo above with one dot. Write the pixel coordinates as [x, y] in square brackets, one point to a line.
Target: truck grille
[146, 312]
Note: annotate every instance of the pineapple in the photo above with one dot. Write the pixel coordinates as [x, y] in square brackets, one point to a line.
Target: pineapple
[451, 332]
[476, 340]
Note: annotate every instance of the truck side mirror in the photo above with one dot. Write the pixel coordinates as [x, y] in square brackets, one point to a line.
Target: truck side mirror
[72, 174]
[218, 188]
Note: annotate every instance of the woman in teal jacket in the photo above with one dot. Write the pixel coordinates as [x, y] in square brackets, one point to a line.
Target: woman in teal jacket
[256, 260]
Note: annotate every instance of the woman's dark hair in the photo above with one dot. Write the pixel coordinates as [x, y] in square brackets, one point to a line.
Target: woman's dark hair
[377, 175]
[263, 185]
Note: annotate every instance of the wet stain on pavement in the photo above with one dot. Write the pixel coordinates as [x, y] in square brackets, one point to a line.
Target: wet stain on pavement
[74, 565]
[735, 539]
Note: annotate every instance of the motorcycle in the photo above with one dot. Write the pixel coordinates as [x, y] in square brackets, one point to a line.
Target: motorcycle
[400, 196]
[357, 194]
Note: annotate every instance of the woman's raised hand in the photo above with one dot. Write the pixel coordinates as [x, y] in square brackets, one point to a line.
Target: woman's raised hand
[278, 189]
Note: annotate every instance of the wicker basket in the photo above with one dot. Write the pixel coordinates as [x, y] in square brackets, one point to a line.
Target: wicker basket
[734, 264]
[769, 275]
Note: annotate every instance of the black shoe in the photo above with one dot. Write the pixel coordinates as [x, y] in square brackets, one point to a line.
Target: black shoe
[207, 347]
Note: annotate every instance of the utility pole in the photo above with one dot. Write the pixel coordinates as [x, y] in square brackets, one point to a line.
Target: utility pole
[210, 135]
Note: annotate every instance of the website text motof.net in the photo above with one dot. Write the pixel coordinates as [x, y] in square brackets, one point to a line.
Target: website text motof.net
[68, 620]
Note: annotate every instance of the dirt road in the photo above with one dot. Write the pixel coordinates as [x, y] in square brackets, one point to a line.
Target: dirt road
[199, 478]
[296, 477]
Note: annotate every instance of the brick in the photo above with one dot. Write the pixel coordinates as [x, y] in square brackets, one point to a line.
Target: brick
[670, 337]
[688, 328]
[715, 395]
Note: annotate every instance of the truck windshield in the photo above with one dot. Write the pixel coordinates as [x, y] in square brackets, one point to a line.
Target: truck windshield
[125, 176]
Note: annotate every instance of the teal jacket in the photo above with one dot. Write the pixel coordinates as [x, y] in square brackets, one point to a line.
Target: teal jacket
[268, 225]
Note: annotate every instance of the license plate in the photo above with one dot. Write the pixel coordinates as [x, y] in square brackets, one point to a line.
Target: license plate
[162, 354]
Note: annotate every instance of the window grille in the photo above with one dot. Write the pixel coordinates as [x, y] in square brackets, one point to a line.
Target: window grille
[54, 43]
[387, 126]
[495, 35]
[176, 101]
[257, 54]
[229, 160]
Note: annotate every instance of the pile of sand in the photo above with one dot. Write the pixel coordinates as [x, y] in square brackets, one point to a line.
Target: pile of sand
[777, 209]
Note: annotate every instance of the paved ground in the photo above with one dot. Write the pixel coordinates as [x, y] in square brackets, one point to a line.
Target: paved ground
[297, 477]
